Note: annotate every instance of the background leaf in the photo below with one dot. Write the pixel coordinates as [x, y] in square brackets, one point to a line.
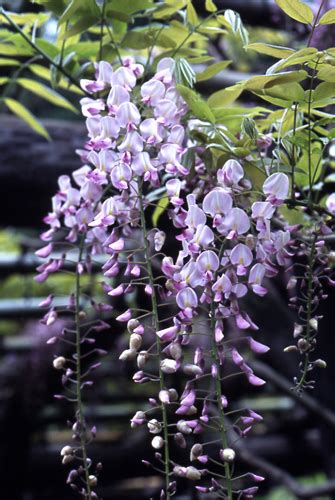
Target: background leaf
[22, 112]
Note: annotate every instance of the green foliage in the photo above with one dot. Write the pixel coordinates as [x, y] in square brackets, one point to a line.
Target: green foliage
[297, 10]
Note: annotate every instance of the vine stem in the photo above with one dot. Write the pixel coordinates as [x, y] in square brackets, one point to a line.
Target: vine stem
[80, 411]
[310, 294]
[215, 356]
[155, 324]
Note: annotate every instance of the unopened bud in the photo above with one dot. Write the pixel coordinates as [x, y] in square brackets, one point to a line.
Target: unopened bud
[196, 451]
[192, 473]
[173, 394]
[164, 396]
[320, 363]
[250, 241]
[183, 427]
[66, 450]
[59, 363]
[313, 323]
[180, 440]
[157, 442]
[190, 369]
[92, 480]
[175, 350]
[227, 455]
[132, 324]
[303, 345]
[292, 282]
[142, 359]
[127, 355]
[135, 342]
[291, 348]
[154, 426]
[67, 459]
[298, 330]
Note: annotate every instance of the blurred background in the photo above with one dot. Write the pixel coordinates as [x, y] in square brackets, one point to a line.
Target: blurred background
[297, 437]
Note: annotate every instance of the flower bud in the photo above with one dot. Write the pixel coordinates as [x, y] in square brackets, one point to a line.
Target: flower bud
[127, 355]
[175, 350]
[142, 359]
[135, 342]
[164, 396]
[92, 480]
[169, 366]
[173, 394]
[290, 348]
[180, 440]
[138, 419]
[132, 324]
[196, 451]
[227, 455]
[58, 363]
[67, 459]
[190, 369]
[154, 426]
[157, 442]
[313, 323]
[250, 241]
[303, 345]
[183, 427]
[292, 282]
[66, 450]
[320, 363]
[298, 330]
[192, 473]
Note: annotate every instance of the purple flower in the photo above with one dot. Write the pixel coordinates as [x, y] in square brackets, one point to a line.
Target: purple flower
[330, 203]
[231, 173]
[276, 187]
[128, 115]
[241, 256]
[255, 279]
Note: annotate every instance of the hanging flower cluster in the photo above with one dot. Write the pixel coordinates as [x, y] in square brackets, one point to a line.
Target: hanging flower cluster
[134, 156]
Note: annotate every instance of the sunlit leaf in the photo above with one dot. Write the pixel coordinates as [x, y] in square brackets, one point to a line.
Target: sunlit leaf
[22, 112]
[297, 10]
[328, 17]
[159, 210]
[212, 70]
[270, 50]
[46, 93]
[196, 104]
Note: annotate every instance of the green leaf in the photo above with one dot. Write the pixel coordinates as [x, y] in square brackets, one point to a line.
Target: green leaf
[226, 96]
[167, 10]
[197, 105]
[86, 7]
[328, 17]
[191, 13]
[266, 81]
[212, 70]
[270, 50]
[297, 10]
[299, 57]
[22, 112]
[210, 6]
[3, 80]
[159, 210]
[11, 50]
[79, 27]
[46, 93]
[129, 7]
[49, 48]
[289, 92]
[44, 73]
[9, 62]
[323, 91]
[327, 73]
